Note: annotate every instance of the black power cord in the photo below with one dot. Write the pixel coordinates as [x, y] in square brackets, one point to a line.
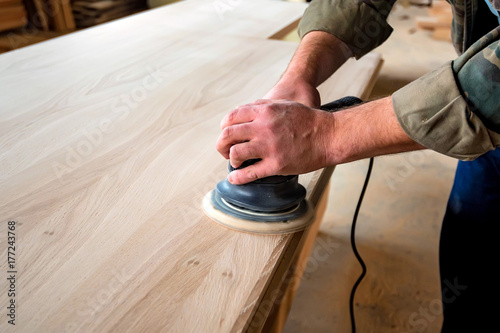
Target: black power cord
[332, 107]
[354, 248]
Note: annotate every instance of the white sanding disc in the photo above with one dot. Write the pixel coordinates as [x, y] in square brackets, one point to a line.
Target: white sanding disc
[260, 227]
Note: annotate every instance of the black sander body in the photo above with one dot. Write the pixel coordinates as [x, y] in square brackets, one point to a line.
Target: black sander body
[271, 205]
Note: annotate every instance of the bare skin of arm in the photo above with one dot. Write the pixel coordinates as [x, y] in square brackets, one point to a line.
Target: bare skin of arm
[318, 56]
[289, 133]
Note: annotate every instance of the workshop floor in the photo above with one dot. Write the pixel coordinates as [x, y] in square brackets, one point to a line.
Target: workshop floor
[399, 224]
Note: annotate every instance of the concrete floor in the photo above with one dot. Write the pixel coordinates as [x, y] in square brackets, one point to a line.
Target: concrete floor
[399, 224]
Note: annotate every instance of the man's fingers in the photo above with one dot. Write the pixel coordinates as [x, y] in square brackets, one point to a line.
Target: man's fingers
[245, 113]
[242, 152]
[232, 135]
[248, 174]
[242, 114]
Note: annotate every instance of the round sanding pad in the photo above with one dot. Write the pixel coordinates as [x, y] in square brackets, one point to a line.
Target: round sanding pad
[270, 223]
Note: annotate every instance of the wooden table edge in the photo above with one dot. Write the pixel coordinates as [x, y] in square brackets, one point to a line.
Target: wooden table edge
[269, 313]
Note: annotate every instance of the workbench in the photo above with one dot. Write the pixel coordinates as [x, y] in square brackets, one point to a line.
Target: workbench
[107, 147]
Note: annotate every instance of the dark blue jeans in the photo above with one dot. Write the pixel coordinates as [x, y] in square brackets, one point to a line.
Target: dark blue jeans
[468, 248]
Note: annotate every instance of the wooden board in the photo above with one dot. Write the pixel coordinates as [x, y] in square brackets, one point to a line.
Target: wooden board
[12, 15]
[92, 12]
[439, 19]
[39, 12]
[257, 18]
[7, 3]
[107, 149]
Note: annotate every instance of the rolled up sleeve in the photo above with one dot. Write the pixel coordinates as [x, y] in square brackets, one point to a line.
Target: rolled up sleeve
[361, 25]
[455, 110]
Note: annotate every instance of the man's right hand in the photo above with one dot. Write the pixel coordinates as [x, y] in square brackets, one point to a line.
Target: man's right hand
[291, 138]
[299, 144]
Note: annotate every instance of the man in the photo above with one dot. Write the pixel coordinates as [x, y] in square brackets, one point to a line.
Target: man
[454, 110]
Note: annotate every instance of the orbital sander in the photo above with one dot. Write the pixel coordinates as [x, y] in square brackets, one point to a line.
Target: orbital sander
[270, 205]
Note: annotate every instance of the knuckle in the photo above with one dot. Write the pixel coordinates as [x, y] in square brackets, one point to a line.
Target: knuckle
[252, 174]
[234, 152]
[231, 116]
[273, 126]
[268, 109]
[226, 133]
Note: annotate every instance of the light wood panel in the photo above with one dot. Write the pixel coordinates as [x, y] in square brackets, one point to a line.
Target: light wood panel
[106, 151]
[249, 18]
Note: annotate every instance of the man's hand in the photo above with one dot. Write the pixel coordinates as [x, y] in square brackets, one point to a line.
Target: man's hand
[289, 137]
[295, 90]
[292, 138]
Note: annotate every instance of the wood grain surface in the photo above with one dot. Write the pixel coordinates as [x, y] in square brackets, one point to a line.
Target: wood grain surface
[107, 147]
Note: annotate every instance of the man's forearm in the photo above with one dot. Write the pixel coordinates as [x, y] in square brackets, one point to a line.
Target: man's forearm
[367, 130]
[317, 57]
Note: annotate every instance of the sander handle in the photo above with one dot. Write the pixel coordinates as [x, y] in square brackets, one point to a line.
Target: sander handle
[341, 103]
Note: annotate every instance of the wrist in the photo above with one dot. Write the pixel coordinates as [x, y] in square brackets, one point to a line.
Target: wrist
[336, 151]
[367, 130]
[295, 89]
[326, 124]
[297, 77]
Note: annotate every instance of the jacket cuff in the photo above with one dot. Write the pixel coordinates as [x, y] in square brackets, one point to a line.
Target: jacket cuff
[432, 111]
[361, 27]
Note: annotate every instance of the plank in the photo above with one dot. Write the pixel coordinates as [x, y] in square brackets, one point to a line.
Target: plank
[12, 41]
[433, 22]
[104, 160]
[12, 11]
[442, 34]
[42, 20]
[12, 17]
[88, 17]
[57, 17]
[236, 18]
[89, 13]
[282, 287]
[67, 12]
[8, 3]
[438, 20]
[8, 23]
[440, 7]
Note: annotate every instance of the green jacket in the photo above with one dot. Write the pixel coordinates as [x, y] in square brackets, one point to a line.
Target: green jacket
[455, 109]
